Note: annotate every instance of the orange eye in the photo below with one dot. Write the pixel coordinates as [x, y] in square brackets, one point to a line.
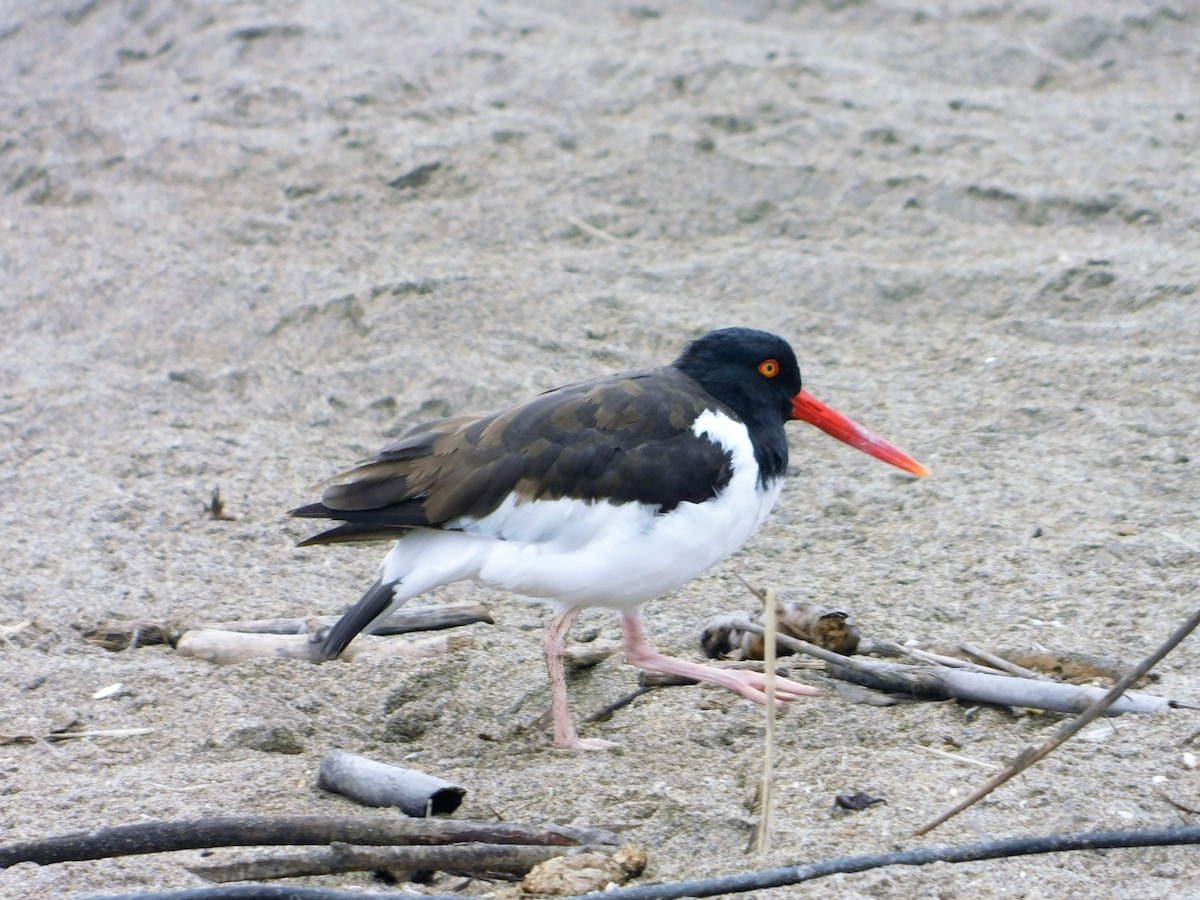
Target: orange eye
[769, 367]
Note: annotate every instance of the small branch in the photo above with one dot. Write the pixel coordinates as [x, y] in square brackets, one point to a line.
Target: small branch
[247, 831]
[405, 620]
[228, 647]
[1010, 847]
[1000, 663]
[99, 732]
[606, 713]
[891, 648]
[762, 835]
[592, 230]
[957, 757]
[959, 684]
[1031, 755]
[128, 635]
[473, 860]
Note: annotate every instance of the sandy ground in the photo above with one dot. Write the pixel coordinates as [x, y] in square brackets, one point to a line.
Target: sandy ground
[242, 245]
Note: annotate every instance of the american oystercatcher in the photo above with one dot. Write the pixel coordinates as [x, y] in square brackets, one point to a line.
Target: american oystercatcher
[608, 492]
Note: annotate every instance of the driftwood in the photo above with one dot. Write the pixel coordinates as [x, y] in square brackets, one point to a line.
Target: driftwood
[228, 647]
[1001, 849]
[491, 861]
[249, 831]
[374, 783]
[1031, 755]
[945, 683]
[118, 636]
[404, 620]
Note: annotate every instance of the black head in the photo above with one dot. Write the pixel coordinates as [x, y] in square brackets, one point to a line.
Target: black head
[754, 373]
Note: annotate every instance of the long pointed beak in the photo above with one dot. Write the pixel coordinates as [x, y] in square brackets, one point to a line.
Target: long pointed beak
[809, 409]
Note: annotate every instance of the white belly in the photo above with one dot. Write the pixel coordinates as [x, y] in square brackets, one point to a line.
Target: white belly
[576, 553]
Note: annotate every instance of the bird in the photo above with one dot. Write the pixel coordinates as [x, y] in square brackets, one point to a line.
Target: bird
[607, 492]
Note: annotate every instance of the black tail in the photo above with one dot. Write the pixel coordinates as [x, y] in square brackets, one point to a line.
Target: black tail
[369, 607]
[387, 523]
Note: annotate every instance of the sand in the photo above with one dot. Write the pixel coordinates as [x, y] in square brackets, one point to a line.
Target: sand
[244, 244]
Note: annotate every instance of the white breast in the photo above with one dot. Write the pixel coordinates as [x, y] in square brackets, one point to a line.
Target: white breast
[603, 554]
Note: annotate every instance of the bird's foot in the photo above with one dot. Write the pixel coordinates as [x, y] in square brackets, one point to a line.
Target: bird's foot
[751, 685]
[577, 743]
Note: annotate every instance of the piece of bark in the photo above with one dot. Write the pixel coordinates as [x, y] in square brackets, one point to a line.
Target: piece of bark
[582, 873]
[374, 783]
[228, 647]
[490, 861]
[250, 831]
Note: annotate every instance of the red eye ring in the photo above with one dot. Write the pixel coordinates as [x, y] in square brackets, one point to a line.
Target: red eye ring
[769, 368]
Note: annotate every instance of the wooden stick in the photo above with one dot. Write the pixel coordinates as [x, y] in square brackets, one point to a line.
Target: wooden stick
[128, 635]
[945, 684]
[958, 757]
[100, 732]
[871, 647]
[248, 831]
[405, 620]
[1000, 663]
[1031, 755]
[229, 647]
[374, 783]
[474, 860]
[784, 876]
[762, 835]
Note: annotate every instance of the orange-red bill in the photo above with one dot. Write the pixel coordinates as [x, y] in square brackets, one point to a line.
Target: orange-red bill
[808, 408]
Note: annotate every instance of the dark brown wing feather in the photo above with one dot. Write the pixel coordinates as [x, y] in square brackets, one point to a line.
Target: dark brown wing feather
[620, 438]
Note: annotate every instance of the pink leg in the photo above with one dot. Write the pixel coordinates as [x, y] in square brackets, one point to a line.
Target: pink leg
[553, 643]
[749, 684]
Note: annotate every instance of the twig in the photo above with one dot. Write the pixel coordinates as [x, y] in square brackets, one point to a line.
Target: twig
[1000, 663]
[476, 860]
[606, 713]
[403, 621]
[247, 831]
[787, 875]
[946, 683]
[1031, 755]
[268, 892]
[762, 835]
[593, 231]
[957, 757]
[891, 648]
[101, 732]
[7, 631]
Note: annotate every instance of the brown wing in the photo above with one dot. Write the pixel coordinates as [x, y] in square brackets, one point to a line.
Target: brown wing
[623, 438]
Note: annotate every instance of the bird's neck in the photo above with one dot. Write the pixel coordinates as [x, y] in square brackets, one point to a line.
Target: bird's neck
[770, 449]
